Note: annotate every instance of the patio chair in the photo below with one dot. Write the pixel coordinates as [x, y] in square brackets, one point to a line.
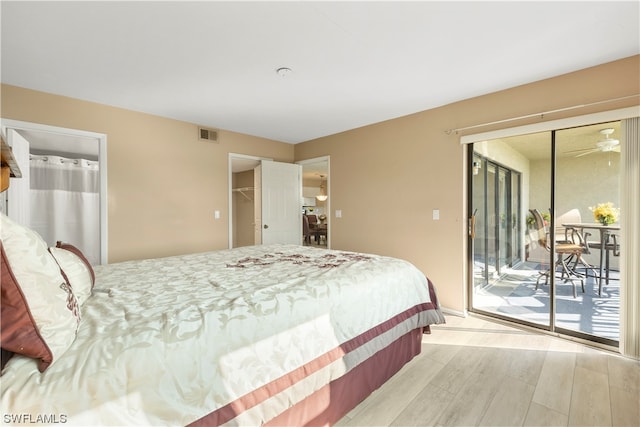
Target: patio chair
[581, 237]
[566, 254]
[563, 234]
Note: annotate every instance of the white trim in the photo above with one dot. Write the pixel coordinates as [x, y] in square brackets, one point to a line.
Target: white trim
[18, 124]
[569, 122]
[458, 313]
[102, 157]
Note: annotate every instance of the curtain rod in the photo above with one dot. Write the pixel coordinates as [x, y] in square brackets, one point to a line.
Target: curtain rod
[542, 114]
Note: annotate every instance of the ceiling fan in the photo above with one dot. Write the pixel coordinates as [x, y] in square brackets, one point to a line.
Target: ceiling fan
[608, 144]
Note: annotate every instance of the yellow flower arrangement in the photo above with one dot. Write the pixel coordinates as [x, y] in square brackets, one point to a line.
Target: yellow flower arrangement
[605, 213]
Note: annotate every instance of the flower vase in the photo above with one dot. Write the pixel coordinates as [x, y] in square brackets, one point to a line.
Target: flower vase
[605, 220]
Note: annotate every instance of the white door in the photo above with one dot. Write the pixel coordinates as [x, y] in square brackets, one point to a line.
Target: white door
[19, 192]
[279, 217]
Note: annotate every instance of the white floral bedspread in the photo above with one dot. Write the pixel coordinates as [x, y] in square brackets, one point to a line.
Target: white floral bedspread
[167, 341]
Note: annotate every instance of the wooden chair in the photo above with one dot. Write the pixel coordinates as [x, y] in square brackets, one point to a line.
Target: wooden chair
[566, 253]
[306, 232]
[321, 233]
[313, 224]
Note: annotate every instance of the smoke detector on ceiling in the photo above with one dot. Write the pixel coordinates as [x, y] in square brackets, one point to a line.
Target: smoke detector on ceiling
[283, 71]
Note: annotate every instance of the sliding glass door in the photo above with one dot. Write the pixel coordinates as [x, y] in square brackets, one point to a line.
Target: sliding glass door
[505, 252]
[587, 171]
[538, 256]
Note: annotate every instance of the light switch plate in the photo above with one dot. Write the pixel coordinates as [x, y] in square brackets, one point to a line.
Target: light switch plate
[338, 213]
[436, 214]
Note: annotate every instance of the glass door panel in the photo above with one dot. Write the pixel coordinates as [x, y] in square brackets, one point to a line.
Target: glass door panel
[480, 257]
[508, 258]
[502, 228]
[515, 226]
[491, 231]
[587, 175]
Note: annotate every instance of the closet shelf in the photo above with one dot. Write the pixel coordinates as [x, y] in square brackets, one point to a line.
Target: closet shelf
[244, 191]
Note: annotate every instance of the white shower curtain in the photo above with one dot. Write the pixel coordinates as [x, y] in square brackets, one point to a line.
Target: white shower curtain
[65, 202]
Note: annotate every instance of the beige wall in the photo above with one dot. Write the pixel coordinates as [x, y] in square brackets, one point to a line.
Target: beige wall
[164, 184]
[407, 167]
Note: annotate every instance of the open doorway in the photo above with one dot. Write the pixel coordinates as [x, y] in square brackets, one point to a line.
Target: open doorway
[63, 191]
[242, 201]
[316, 197]
[264, 201]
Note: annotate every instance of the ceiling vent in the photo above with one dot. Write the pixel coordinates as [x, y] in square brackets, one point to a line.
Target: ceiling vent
[208, 134]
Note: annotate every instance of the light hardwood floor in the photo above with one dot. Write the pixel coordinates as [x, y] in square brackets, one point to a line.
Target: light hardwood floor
[474, 371]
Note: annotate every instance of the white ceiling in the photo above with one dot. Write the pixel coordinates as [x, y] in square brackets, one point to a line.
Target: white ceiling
[353, 63]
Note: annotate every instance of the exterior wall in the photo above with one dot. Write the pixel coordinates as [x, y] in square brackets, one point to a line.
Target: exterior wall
[410, 166]
[164, 184]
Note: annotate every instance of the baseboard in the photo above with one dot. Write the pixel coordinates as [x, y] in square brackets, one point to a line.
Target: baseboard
[452, 312]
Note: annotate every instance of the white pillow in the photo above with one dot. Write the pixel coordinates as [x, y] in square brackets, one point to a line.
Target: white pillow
[49, 299]
[76, 271]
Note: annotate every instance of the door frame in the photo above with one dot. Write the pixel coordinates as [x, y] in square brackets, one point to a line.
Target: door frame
[548, 126]
[328, 189]
[101, 140]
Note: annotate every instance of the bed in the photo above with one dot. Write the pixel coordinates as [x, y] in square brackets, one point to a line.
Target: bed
[259, 335]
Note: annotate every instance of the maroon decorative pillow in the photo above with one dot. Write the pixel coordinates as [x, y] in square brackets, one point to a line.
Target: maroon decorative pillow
[19, 333]
[40, 313]
[80, 255]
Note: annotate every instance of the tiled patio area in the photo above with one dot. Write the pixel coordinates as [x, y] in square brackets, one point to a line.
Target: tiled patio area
[514, 294]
